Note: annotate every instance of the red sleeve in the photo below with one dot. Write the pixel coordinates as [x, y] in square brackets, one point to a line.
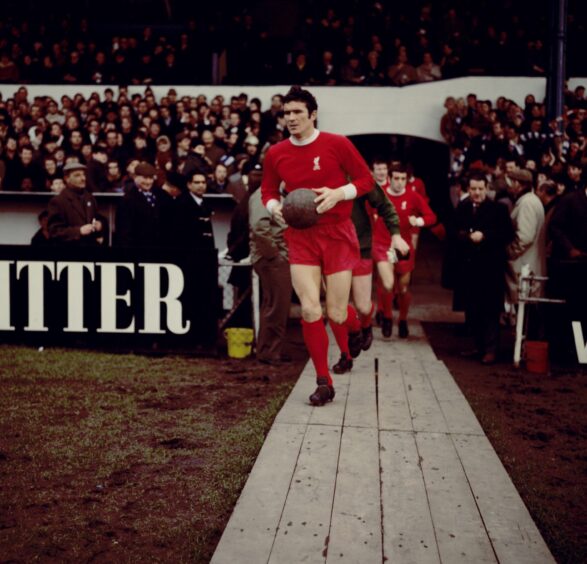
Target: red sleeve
[271, 181]
[424, 210]
[356, 168]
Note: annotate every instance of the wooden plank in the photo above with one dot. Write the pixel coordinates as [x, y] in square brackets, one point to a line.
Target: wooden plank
[251, 530]
[460, 532]
[514, 535]
[361, 409]
[408, 533]
[459, 416]
[442, 381]
[297, 408]
[394, 411]
[355, 532]
[304, 525]
[424, 407]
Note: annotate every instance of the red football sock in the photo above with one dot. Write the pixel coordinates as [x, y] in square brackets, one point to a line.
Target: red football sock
[352, 320]
[341, 335]
[404, 300]
[316, 339]
[366, 319]
[387, 304]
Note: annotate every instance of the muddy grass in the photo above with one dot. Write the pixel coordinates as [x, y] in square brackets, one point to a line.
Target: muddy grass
[538, 427]
[124, 458]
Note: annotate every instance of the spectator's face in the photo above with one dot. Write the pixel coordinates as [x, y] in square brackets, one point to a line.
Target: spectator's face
[144, 183]
[398, 181]
[380, 172]
[207, 139]
[298, 119]
[101, 157]
[112, 139]
[235, 119]
[251, 149]
[574, 173]
[220, 173]
[219, 133]
[57, 185]
[50, 166]
[76, 179]
[26, 156]
[477, 191]
[113, 170]
[11, 144]
[510, 166]
[76, 139]
[184, 144]
[197, 185]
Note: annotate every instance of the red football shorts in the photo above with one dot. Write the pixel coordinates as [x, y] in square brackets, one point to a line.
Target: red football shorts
[379, 253]
[364, 267]
[333, 246]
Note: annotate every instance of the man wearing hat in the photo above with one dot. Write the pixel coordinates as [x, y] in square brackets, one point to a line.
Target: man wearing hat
[528, 245]
[73, 214]
[138, 218]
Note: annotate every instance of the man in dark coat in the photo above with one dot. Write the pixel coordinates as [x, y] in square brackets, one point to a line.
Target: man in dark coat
[484, 230]
[195, 219]
[73, 215]
[138, 218]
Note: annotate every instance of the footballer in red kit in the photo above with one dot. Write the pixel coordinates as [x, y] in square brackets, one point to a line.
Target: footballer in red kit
[331, 166]
[414, 213]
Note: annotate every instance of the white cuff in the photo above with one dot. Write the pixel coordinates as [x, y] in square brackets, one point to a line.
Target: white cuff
[420, 222]
[350, 191]
[271, 205]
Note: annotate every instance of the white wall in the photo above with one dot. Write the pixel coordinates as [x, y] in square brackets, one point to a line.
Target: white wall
[412, 110]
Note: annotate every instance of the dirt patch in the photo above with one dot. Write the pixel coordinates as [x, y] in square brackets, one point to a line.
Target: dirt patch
[124, 458]
[538, 427]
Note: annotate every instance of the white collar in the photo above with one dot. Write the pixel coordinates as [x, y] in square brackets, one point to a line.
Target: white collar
[197, 198]
[306, 141]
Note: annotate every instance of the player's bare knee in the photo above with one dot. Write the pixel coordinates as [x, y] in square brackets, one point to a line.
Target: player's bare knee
[311, 313]
[337, 315]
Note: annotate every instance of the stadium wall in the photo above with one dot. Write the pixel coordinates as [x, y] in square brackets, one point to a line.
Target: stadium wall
[412, 110]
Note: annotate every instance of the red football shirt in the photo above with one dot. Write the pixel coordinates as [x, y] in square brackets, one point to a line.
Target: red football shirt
[406, 204]
[329, 161]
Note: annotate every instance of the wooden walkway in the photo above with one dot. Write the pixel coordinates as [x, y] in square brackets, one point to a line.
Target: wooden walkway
[397, 469]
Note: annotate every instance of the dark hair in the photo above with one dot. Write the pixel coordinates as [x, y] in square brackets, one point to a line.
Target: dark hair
[298, 94]
[479, 176]
[379, 160]
[397, 166]
[548, 187]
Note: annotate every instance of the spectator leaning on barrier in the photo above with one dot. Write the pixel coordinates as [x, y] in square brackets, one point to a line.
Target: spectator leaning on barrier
[528, 245]
[73, 214]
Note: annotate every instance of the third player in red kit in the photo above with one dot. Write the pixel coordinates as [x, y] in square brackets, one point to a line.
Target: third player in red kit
[414, 213]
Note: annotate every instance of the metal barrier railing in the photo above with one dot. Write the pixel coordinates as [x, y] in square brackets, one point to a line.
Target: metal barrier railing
[528, 286]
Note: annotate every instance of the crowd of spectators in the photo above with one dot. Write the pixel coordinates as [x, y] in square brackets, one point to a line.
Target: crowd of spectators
[495, 137]
[224, 139]
[381, 43]
[537, 169]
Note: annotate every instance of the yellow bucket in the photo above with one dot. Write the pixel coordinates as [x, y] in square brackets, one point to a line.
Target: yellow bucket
[240, 341]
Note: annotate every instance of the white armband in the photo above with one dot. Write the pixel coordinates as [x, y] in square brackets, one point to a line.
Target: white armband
[350, 191]
[420, 222]
[271, 205]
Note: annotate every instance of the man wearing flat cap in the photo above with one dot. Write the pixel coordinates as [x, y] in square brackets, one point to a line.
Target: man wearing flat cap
[73, 214]
[138, 217]
[528, 245]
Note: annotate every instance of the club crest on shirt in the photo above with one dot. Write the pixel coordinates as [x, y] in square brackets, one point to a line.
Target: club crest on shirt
[404, 205]
[316, 163]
